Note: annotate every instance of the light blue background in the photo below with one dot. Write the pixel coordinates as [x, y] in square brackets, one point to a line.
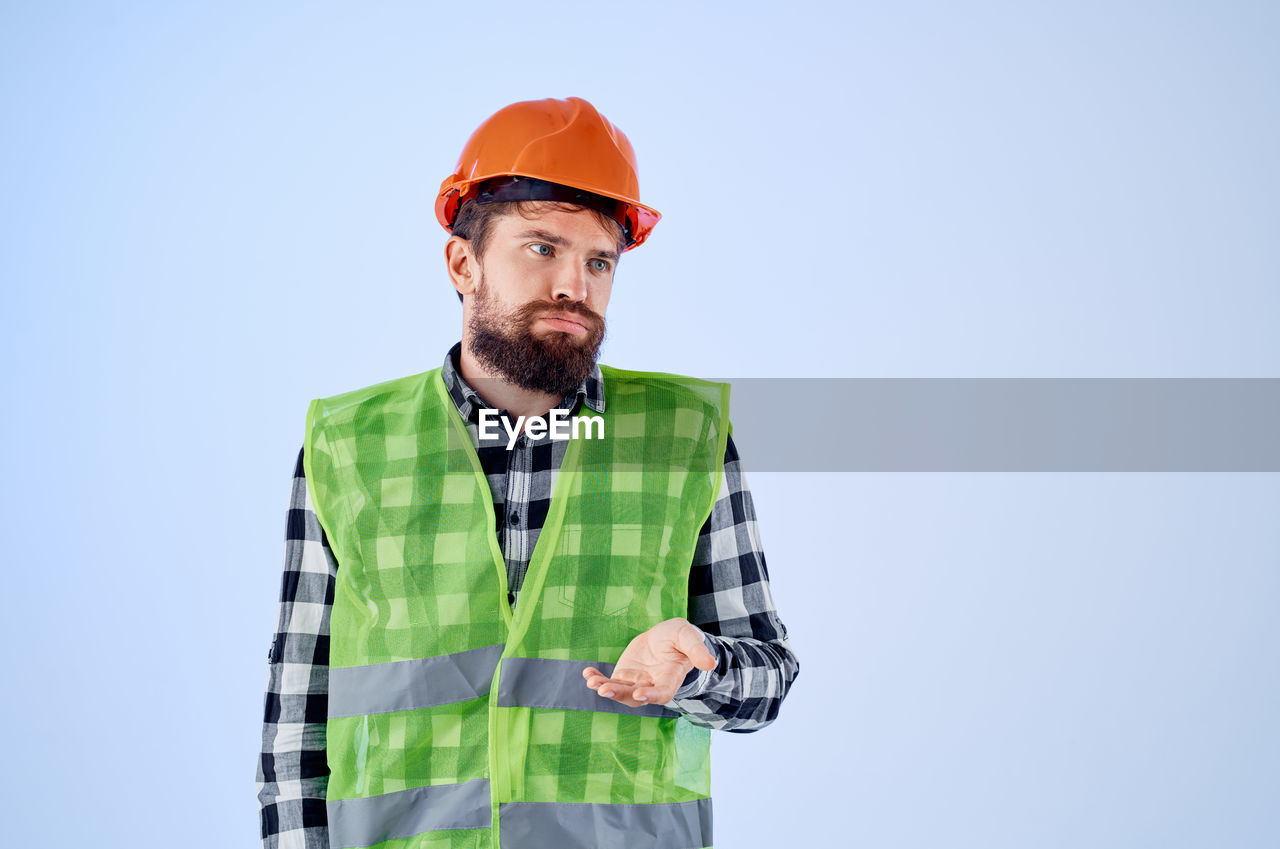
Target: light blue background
[213, 213]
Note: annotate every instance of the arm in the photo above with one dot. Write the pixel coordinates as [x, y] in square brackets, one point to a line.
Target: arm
[730, 600]
[293, 774]
[740, 685]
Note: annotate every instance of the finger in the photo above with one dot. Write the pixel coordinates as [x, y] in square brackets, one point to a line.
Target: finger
[639, 688]
[660, 688]
[623, 694]
[626, 680]
[631, 677]
[593, 677]
[616, 690]
[690, 641]
[653, 695]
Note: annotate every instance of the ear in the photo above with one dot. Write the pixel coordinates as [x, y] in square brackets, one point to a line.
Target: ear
[460, 262]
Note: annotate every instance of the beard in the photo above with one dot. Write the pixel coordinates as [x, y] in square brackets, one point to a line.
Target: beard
[556, 364]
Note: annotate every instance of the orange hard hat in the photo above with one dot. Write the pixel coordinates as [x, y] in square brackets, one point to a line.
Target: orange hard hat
[559, 150]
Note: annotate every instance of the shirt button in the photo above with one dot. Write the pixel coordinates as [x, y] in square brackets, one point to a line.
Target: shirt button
[515, 518]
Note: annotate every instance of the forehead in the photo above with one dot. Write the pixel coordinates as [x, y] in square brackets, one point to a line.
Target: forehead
[576, 227]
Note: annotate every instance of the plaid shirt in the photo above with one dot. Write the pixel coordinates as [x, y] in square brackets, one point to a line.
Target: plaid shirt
[729, 599]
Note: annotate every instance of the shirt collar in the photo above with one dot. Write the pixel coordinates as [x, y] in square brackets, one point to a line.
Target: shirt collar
[469, 403]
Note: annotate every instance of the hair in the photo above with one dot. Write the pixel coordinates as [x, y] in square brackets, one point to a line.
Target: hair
[475, 220]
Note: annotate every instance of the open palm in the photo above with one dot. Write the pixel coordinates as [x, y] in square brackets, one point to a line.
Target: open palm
[653, 665]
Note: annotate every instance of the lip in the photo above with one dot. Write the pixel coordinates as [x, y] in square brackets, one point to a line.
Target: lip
[566, 325]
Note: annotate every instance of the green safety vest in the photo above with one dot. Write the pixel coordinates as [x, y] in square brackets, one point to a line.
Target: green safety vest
[455, 722]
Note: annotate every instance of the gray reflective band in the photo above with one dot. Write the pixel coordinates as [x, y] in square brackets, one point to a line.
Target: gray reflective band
[532, 825]
[406, 813]
[539, 682]
[412, 684]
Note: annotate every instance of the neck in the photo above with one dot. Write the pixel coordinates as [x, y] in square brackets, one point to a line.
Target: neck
[499, 392]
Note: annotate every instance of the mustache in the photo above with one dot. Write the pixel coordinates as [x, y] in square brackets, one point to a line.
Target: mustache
[539, 309]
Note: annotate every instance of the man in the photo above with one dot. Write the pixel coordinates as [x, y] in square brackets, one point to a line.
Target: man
[530, 635]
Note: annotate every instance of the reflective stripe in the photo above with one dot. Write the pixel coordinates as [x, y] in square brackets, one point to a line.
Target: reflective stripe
[406, 813]
[534, 825]
[539, 682]
[412, 684]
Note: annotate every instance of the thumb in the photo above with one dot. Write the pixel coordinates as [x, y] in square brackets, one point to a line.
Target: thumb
[690, 642]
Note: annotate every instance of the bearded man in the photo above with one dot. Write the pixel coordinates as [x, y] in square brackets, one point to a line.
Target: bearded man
[519, 639]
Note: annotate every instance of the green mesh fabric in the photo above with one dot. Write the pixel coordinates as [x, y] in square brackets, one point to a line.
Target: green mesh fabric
[399, 490]
[446, 744]
[591, 756]
[454, 838]
[395, 489]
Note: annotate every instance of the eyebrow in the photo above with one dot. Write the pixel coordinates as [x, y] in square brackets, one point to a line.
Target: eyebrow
[553, 239]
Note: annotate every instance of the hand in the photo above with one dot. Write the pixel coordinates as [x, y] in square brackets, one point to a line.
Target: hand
[654, 665]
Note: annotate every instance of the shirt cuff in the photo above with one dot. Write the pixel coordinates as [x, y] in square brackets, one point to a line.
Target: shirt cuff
[695, 682]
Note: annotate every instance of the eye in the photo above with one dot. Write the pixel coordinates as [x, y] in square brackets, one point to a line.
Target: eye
[541, 249]
[599, 265]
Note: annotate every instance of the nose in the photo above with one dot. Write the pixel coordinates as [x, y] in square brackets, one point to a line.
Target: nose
[571, 283]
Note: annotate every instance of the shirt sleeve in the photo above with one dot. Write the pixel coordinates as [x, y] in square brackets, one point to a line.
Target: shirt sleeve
[730, 600]
[293, 773]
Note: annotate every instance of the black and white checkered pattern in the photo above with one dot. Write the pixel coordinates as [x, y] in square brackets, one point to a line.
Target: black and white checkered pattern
[729, 599]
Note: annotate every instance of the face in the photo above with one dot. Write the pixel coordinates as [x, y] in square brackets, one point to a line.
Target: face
[541, 290]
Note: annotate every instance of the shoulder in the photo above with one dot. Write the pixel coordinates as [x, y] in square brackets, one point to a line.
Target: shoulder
[680, 388]
[668, 409]
[354, 402]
